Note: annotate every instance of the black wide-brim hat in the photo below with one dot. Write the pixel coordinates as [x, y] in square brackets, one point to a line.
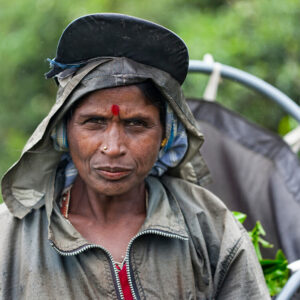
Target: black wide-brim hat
[116, 35]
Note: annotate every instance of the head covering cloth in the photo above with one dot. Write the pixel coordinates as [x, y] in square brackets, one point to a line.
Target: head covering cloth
[113, 30]
[138, 51]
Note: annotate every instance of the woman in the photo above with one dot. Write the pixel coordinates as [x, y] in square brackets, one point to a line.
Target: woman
[110, 178]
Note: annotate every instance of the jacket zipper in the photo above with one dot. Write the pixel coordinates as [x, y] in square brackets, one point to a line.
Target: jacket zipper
[149, 231]
[127, 260]
[89, 246]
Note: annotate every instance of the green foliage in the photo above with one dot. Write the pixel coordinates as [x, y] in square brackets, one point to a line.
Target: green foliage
[276, 270]
[240, 33]
[287, 124]
[257, 240]
[239, 216]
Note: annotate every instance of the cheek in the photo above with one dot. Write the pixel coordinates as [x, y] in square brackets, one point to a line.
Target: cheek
[80, 145]
[145, 153]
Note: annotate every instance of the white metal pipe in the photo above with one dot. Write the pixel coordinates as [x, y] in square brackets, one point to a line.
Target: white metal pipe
[251, 81]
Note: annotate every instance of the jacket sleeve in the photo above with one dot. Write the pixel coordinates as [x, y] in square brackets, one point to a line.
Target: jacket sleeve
[240, 275]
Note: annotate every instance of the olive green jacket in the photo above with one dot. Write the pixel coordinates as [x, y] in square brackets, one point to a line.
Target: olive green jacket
[190, 246]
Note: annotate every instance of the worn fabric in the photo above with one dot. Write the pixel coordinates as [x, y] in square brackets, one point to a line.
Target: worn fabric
[173, 152]
[189, 247]
[22, 193]
[118, 35]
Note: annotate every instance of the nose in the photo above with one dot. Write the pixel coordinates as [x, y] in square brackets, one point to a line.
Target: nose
[113, 144]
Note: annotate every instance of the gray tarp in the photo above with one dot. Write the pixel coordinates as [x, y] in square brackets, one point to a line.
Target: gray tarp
[254, 172]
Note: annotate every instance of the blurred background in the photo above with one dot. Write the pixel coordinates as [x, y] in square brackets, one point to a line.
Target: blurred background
[261, 37]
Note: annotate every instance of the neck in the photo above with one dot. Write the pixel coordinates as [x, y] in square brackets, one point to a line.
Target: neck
[88, 203]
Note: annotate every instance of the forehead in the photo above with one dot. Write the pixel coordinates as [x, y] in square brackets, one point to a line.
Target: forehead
[126, 98]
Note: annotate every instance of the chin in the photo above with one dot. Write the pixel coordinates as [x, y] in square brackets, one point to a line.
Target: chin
[115, 188]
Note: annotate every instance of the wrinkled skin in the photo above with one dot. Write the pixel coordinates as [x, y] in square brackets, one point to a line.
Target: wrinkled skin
[114, 152]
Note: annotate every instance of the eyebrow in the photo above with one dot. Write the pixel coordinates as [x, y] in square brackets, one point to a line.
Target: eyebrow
[130, 115]
[142, 117]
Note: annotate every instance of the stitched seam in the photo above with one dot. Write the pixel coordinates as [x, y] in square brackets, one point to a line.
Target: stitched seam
[136, 277]
[108, 278]
[226, 264]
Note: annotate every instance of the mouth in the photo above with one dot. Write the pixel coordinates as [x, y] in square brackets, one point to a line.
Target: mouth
[113, 173]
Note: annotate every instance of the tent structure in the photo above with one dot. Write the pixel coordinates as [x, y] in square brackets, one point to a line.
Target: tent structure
[253, 170]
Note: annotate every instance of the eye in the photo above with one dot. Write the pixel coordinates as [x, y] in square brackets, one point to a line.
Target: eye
[136, 123]
[95, 123]
[100, 121]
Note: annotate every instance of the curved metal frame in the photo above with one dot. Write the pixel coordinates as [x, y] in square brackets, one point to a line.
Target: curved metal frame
[250, 81]
[290, 287]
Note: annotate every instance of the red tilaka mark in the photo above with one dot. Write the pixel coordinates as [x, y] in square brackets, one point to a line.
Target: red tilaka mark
[115, 109]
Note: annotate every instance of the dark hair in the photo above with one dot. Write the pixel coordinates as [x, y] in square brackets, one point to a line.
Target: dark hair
[152, 93]
[149, 90]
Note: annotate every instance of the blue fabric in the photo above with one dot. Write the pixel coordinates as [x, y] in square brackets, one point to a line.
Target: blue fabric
[169, 156]
[63, 66]
[172, 153]
[59, 137]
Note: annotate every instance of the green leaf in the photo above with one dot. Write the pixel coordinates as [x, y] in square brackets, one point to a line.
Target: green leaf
[239, 216]
[255, 234]
[275, 271]
[277, 275]
[286, 124]
[264, 243]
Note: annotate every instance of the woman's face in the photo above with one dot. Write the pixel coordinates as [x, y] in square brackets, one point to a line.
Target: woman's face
[114, 136]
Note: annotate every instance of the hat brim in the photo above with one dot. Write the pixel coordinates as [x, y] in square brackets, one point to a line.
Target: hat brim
[117, 35]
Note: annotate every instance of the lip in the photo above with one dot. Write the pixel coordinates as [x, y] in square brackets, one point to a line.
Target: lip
[113, 173]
